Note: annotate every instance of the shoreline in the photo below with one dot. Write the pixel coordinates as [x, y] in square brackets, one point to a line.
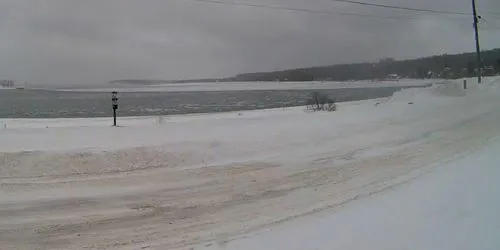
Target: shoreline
[30, 104]
[129, 121]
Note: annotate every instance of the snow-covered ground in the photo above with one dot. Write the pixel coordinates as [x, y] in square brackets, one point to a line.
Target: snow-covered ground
[415, 171]
[238, 86]
[452, 207]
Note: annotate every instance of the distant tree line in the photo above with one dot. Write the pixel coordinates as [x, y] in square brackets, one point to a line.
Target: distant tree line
[441, 66]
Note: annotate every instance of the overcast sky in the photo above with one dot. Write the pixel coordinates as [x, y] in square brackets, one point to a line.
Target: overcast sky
[74, 42]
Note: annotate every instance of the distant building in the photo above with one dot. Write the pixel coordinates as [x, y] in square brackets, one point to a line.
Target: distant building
[447, 73]
[489, 71]
[6, 83]
[393, 77]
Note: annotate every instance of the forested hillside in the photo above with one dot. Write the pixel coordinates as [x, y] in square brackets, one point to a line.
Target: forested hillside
[445, 66]
[441, 66]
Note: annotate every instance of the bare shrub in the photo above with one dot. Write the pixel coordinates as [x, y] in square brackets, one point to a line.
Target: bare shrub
[321, 102]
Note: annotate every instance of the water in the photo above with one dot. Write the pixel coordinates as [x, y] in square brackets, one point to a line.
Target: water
[54, 104]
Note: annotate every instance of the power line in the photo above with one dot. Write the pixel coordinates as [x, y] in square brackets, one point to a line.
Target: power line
[490, 24]
[480, 11]
[277, 7]
[403, 8]
[491, 13]
[312, 11]
[491, 17]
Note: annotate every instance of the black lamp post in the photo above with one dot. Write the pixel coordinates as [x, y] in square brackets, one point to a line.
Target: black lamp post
[114, 101]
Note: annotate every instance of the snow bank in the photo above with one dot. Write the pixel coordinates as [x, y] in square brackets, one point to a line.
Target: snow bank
[440, 91]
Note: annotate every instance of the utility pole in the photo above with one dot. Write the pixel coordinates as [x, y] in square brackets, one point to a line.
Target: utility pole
[478, 48]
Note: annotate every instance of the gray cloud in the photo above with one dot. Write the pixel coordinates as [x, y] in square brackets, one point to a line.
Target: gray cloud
[93, 41]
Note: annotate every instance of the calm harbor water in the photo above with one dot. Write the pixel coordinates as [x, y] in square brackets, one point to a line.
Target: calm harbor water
[55, 104]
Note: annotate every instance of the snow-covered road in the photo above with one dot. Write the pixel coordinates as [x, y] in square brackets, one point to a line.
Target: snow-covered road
[452, 207]
[208, 181]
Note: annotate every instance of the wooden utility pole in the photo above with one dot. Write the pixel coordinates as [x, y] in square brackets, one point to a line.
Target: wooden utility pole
[478, 48]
